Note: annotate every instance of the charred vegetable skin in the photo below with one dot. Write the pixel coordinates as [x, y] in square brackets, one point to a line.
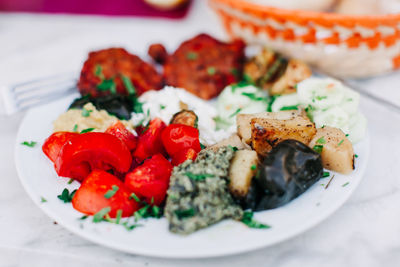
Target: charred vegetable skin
[288, 171]
[120, 106]
[117, 67]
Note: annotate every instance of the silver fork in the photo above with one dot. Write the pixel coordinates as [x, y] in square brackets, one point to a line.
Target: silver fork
[22, 96]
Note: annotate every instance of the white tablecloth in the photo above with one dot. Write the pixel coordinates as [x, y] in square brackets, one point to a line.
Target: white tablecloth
[364, 232]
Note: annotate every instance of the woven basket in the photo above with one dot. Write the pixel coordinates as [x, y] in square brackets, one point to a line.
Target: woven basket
[342, 45]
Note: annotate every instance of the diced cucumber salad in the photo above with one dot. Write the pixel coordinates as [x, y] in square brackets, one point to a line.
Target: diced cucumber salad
[327, 102]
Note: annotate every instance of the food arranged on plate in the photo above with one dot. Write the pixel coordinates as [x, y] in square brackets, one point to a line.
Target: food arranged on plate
[217, 135]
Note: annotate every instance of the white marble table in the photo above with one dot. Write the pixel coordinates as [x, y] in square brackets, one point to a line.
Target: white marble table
[364, 232]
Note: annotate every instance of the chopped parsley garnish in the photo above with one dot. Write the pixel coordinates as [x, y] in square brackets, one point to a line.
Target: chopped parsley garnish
[309, 109]
[240, 84]
[128, 84]
[182, 214]
[318, 148]
[84, 217]
[319, 98]
[211, 70]
[148, 211]
[99, 216]
[135, 197]
[326, 174]
[118, 217]
[253, 167]
[29, 144]
[347, 135]
[191, 55]
[202, 146]
[235, 72]
[87, 130]
[341, 142]
[85, 113]
[220, 123]
[323, 126]
[108, 85]
[43, 200]
[271, 101]
[345, 184]
[235, 113]
[248, 220]
[71, 181]
[75, 129]
[162, 107]
[247, 78]
[295, 107]
[253, 96]
[356, 156]
[110, 193]
[321, 141]
[65, 196]
[98, 71]
[130, 227]
[198, 177]
[233, 148]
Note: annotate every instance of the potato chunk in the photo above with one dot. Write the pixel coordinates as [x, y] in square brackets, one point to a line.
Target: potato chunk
[243, 121]
[337, 151]
[266, 133]
[234, 141]
[243, 168]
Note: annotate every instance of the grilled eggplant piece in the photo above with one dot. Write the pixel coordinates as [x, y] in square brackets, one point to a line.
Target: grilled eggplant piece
[336, 150]
[120, 106]
[287, 172]
[186, 117]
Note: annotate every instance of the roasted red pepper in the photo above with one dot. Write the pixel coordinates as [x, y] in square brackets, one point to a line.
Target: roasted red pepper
[178, 137]
[149, 142]
[103, 190]
[55, 142]
[184, 155]
[150, 180]
[120, 131]
[100, 151]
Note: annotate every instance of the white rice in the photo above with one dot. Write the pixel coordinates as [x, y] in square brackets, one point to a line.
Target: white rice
[166, 102]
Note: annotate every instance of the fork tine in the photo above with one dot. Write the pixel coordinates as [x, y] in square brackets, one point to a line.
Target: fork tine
[31, 102]
[44, 90]
[24, 95]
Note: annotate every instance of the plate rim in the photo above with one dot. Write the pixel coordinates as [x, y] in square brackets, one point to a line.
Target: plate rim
[160, 254]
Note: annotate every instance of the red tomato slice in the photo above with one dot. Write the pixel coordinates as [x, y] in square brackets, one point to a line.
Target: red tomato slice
[178, 137]
[120, 131]
[183, 155]
[150, 142]
[55, 142]
[91, 195]
[151, 179]
[100, 151]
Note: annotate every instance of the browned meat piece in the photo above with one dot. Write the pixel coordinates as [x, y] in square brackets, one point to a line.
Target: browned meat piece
[272, 72]
[114, 70]
[158, 53]
[204, 65]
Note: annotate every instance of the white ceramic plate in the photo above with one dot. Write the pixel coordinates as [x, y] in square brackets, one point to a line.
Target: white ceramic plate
[153, 239]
